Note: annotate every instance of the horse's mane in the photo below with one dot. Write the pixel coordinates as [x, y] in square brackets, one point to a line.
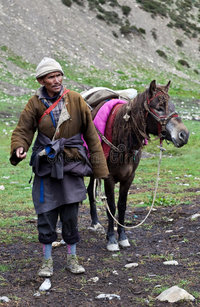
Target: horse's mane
[131, 133]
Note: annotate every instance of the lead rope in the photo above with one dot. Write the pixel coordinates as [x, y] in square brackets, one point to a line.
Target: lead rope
[103, 197]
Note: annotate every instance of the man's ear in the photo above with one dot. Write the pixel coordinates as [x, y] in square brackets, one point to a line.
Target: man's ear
[40, 80]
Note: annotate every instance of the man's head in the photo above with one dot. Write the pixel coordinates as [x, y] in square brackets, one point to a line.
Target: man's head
[49, 73]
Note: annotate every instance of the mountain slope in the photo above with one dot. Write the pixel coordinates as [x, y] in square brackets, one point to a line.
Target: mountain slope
[33, 29]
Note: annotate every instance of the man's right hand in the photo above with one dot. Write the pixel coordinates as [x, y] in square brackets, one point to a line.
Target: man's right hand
[20, 153]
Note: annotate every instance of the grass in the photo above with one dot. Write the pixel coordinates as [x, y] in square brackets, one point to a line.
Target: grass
[179, 174]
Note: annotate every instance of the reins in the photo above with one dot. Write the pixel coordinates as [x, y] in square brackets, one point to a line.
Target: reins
[104, 199]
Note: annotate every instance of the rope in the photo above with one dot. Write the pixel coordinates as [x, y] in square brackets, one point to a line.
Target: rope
[103, 198]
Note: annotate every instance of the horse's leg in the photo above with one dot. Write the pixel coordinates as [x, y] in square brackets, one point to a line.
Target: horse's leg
[95, 225]
[123, 193]
[112, 244]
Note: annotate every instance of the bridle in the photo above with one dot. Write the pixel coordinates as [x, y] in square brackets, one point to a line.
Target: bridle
[161, 119]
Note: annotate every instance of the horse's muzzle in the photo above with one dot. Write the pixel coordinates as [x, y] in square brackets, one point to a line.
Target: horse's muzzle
[177, 132]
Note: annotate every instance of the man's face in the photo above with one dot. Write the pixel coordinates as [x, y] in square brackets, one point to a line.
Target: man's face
[52, 82]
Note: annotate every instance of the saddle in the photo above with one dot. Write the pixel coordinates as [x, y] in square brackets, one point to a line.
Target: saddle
[102, 101]
[98, 95]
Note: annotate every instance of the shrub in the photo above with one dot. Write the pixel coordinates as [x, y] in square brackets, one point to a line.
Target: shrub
[194, 35]
[179, 43]
[113, 3]
[141, 30]
[115, 34]
[196, 71]
[155, 7]
[161, 53]
[112, 17]
[128, 29]
[100, 16]
[170, 25]
[4, 48]
[153, 32]
[184, 63]
[79, 2]
[67, 2]
[125, 10]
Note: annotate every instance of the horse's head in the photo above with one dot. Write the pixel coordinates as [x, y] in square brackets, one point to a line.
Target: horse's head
[162, 119]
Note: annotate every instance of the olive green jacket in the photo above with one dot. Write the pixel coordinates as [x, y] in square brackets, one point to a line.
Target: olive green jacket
[77, 119]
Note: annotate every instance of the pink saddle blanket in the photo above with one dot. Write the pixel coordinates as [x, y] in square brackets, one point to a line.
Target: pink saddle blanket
[102, 116]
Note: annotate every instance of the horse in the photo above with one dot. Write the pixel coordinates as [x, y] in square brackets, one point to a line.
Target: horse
[149, 113]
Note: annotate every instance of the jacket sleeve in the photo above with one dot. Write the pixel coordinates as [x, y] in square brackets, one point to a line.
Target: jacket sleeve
[24, 132]
[97, 158]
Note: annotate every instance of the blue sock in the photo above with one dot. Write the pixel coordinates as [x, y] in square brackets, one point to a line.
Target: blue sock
[71, 249]
[47, 248]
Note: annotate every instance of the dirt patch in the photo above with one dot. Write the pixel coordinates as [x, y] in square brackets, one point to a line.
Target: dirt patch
[169, 233]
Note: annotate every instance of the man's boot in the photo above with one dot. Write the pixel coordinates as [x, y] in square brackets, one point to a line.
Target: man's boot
[47, 268]
[73, 265]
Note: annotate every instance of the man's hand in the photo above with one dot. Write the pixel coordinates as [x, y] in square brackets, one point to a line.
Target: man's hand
[20, 153]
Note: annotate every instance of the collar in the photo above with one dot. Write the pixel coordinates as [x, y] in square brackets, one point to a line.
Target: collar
[42, 94]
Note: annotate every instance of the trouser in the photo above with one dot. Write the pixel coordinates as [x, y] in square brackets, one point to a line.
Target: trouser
[47, 224]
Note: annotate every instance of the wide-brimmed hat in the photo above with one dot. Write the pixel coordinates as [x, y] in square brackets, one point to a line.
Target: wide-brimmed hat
[46, 66]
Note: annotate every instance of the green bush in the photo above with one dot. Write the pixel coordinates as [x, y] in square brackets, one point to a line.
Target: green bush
[115, 34]
[141, 30]
[4, 48]
[125, 10]
[113, 3]
[184, 63]
[79, 2]
[67, 2]
[109, 17]
[161, 53]
[128, 29]
[154, 7]
[170, 24]
[179, 43]
[153, 32]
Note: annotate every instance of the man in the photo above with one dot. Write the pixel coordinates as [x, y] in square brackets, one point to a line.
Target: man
[59, 160]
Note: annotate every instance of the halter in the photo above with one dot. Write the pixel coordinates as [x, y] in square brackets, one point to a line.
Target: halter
[161, 119]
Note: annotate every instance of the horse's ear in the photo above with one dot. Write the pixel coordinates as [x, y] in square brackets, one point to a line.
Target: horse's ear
[167, 86]
[152, 87]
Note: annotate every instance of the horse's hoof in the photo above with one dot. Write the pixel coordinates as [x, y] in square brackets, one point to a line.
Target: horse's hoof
[113, 247]
[124, 243]
[97, 228]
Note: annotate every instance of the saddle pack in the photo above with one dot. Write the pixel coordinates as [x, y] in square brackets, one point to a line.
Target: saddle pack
[96, 95]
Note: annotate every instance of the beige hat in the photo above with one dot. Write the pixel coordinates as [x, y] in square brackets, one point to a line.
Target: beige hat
[46, 66]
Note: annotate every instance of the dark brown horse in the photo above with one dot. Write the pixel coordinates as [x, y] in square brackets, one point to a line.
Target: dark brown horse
[150, 112]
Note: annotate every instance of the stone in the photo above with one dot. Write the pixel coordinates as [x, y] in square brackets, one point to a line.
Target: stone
[195, 216]
[46, 285]
[108, 296]
[170, 262]
[131, 265]
[4, 299]
[174, 294]
[37, 294]
[94, 279]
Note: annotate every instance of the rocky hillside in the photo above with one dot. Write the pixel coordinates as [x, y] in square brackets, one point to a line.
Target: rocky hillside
[106, 34]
